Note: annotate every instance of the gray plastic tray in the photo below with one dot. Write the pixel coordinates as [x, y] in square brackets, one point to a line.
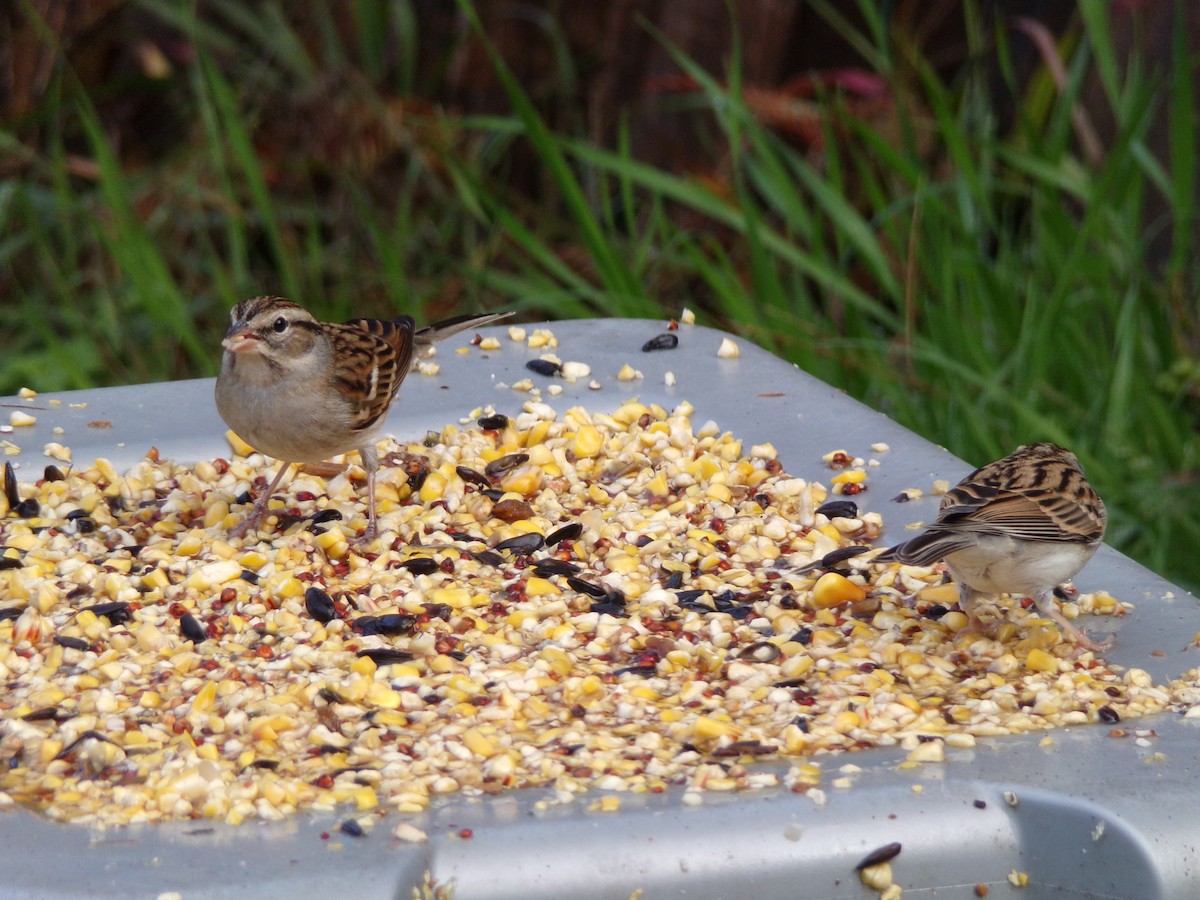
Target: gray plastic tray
[768, 844]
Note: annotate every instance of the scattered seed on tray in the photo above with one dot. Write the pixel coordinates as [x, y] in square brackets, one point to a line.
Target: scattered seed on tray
[635, 620]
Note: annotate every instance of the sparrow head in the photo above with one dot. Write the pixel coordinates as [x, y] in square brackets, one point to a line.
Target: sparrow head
[271, 326]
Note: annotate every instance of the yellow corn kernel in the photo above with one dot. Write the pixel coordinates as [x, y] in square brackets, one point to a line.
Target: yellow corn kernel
[333, 542]
[216, 513]
[518, 617]
[657, 486]
[559, 662]
[383, 696]
[631, 412]
[156, 578]
[846, 721]
[587, 442]
[456, 597]
[190, 545]
[1043, 635]
[707, 728]
[252, 560]
[478, 743]
[719, 492]
[833, 590]
[539, 587]
[213, 574]
[955, 621]
[209, 751]
[433, 488]
[849, 476]
[526, 480]
[672, 715]
[536, 434]
[289, 586]
[363, 665]
[390, 717]
[946, 593]
[645, 693]
[239, 447]
[205, 698]
[1039, 660]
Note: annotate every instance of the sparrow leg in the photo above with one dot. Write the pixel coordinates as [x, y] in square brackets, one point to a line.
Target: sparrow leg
[966, 599]
[260, 506]
[370, 459]
[1046, 605]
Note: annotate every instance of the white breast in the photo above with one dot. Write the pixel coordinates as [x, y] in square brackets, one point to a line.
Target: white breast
[1004, 565]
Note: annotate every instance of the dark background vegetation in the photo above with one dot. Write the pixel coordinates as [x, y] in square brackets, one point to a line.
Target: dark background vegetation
[977, 216]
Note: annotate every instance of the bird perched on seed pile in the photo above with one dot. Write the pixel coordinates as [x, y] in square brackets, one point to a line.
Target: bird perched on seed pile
[302, 390]
[1020, 525]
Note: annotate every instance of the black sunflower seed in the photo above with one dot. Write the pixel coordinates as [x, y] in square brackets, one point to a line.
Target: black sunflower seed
[880, 855]
[8, 562]
[321, 516]
[10, 612]
[470, 476]
[1109, 715]
[71, 643]
[390, 623]
[498, 468]
[28, 508]
[665, 341]
[566, 533]
[47, 713]
[489, 558]
[53, 473]
[10, 485]
[385, 656]
[497, 422]
[839, 509]
[833, 557]
[192, 629]
[117, 612]
[553, 566]
[523, 544]
[674, 581]
[587, 587]
[420, 565]
[543, 367]
[613, 604]
[319, 605]
[352, 828]
[645, 671]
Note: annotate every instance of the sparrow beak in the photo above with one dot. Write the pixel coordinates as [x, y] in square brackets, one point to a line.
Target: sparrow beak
[240, 340]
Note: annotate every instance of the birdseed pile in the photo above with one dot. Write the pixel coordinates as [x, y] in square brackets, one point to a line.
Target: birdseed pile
[605, 602]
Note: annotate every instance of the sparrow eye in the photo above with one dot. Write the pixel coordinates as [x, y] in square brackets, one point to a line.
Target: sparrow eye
[280, 325]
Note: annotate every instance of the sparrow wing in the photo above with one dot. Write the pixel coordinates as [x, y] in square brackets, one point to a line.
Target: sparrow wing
[372, 356]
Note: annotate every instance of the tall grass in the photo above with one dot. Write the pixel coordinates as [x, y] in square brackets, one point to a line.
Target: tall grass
[986, 286]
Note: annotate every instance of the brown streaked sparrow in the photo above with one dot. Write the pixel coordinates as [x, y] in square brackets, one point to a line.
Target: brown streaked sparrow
[302, 390]
[1020, 525]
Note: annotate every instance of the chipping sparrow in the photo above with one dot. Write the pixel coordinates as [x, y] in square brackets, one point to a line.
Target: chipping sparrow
[1020, 525]
[302, 391]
